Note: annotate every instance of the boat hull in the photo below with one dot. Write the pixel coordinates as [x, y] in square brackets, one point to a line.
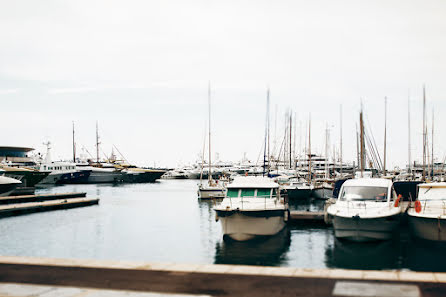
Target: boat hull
[79, 177]
[299, 193]
[322, 193]
[211, 193]
[6, 189]
[242, 226]
[365, 229]
[104, 177]
[52, 178]
[433, 229]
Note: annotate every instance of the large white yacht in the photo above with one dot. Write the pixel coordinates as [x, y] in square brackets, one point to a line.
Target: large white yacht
[427, 219]
[252, 207]
[366, 210]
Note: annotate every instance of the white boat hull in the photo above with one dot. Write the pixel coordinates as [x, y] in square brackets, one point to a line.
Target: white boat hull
[52, 178]
[365, 229]
[210, 194]
[241, 227]
[433, 229]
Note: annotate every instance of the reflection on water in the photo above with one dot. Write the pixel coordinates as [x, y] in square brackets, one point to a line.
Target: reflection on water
[368, 255]
[165, 222]
[268, 251]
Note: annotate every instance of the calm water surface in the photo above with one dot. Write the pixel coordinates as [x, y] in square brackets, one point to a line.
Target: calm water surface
[165, 222]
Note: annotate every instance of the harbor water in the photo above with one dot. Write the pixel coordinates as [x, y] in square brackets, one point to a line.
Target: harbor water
[165, 222]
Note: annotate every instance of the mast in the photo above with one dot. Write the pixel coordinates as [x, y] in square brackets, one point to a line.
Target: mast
[385, 135]
[209, 114]
[291, 127]
[409, 144]
[432, 144]
[97, 143]
[362, 148]
[424, 133]
[74, 147]
[326, 152]
[340, 144]
[266, 147]
[309, 149]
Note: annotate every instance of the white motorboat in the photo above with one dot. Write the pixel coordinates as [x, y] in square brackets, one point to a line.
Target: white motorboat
[427, 220]
[366, 210]
[252, 207]
[8, 185]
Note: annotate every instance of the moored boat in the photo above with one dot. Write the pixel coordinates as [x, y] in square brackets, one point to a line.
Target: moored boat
[252, 207]
[427, 219]
[366, 210]
[8, 185]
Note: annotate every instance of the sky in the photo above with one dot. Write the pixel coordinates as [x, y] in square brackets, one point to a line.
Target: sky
[141, 70]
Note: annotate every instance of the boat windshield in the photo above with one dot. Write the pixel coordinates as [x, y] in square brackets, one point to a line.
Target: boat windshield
[364, 193]
[432, 193]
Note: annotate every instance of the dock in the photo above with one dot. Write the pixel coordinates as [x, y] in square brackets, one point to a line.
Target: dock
[306, 216]
[23, 276]
[37, 198]
[18, 205]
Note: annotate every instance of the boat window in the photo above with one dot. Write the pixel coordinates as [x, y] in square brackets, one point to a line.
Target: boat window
[263, 193]
[431, 193]
[364, 193]
[248, 192]
[232, 193]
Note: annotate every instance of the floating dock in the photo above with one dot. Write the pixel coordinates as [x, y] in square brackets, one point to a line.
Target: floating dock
[38, 203]
[73, 277]
[306, 216]
[37, 198]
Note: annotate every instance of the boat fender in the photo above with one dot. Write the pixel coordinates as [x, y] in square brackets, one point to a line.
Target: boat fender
[286, 215]
[418, 206]
[397, 201]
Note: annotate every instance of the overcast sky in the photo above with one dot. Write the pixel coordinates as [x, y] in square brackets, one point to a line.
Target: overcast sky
[141, 69]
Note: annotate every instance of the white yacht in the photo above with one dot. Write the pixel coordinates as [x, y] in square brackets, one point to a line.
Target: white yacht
[252, 207]
[366, 210]
[8, 185]
[297, 188]
[427, 220]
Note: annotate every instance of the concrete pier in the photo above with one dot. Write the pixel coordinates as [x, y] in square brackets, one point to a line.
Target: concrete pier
[30, 207]
[102, 278]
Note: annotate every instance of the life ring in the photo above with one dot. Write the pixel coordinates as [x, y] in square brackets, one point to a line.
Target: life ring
[397, 201]
[418, 206]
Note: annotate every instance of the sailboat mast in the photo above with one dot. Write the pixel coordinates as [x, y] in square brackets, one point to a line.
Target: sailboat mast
[361, 129]
[326, 152]
[97, 143]
[424, 133]
[291, 127]
[74, 147]
[209, 114]
[409, 144]
[432, 155]
[340, 138]
[385, 135]
[309, 149]
[266, 146]
[267, 123]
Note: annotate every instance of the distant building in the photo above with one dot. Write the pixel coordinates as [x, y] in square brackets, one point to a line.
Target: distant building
[16, 154]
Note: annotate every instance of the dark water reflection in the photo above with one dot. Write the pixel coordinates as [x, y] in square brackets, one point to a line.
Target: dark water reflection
[165, 222]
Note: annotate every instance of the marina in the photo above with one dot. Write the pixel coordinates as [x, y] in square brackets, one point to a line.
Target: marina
[141, 222]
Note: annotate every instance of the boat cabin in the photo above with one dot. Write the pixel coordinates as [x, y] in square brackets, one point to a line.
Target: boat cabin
[253, 187]
[432, 191]
[367, 189]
